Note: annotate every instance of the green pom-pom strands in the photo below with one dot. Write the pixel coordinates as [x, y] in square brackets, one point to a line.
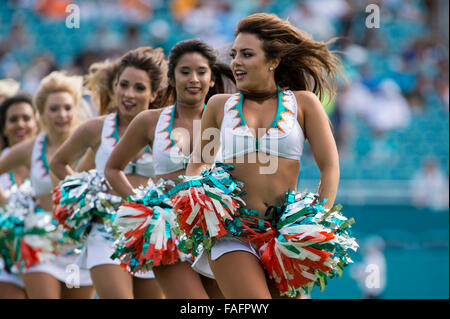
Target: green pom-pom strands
[308, 245]
[138, 228]
[29, 235]
[79, 199]
[305, 244]
[145, 229]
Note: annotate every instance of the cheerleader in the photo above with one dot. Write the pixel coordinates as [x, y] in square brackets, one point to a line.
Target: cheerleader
[57, 103]
[17, 123]
[279, 72]
[130, 85]
[194, 75]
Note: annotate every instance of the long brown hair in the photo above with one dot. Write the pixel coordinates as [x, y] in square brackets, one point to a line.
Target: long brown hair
[220, 72]
[154, 63]
[305, 64]
[100, 82]
[103, 76]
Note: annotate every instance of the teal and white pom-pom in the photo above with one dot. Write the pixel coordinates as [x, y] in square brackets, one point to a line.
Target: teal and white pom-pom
[30, 233]
[81, 197]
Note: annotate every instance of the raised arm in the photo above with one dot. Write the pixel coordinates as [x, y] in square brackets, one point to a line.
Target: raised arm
[205, 151]
[323, 146]
[87, 136]
[138, 135]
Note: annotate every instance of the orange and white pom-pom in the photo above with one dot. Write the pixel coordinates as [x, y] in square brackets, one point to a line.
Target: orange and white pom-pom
[36, 247]
[33, 253]
[206, 208]
[146, 237]
[60, 213]
[293, 263]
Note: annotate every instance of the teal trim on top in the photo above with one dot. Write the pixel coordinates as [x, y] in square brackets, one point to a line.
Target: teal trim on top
[115, 134]
[168, 129]
[280, 109]
[238, 107]
[42, 158]
[11, 178]
[133, 168]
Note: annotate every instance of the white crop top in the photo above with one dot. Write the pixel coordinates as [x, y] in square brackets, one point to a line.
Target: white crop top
[110, 137]
[167, 156]
[41, 181]
[284, 138]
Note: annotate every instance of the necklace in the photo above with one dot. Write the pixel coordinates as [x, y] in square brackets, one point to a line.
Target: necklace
[259, 96]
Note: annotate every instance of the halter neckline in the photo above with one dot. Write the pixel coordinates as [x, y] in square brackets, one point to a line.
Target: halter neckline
[169, 127]
[276, 120]
[116, 136]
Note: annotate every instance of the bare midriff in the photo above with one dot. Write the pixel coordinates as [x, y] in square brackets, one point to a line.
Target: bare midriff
[265, 189]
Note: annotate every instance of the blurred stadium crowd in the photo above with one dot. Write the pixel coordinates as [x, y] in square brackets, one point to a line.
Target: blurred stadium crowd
[390, 116]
